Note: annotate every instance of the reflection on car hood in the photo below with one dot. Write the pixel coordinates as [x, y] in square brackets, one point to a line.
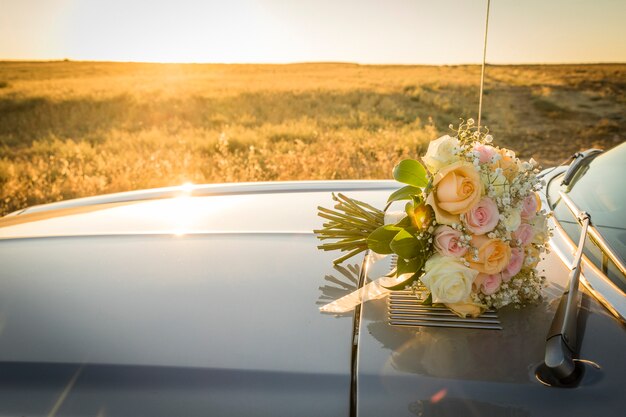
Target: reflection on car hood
[224, 208]
[222, 281]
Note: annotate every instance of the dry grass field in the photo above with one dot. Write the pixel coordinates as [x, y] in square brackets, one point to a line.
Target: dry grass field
[72, 129]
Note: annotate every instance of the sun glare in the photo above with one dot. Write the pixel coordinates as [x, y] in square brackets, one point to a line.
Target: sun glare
[187, 187]
[276, 31]
[195, 31]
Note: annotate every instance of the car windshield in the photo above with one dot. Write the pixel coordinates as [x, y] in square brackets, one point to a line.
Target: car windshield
[598, 188]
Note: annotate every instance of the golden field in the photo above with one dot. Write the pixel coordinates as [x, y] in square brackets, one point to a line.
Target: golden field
[73, 129]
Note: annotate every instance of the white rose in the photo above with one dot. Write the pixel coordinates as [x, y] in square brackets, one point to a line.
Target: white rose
[447, 279]
[512, 219]
[440, 153]
[496, 181]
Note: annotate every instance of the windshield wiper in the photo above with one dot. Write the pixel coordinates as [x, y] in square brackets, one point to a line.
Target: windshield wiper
[580, 159]
[561, 340]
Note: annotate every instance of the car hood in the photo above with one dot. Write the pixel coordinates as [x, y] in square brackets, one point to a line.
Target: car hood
[233, 280]
[222, 278]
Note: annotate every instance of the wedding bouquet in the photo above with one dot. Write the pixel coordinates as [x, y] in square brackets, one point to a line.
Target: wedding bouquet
[471, 231]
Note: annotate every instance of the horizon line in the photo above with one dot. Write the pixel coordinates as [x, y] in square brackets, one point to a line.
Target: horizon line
[61, 60]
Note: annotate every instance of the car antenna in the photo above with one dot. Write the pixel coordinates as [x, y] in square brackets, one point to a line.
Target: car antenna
[561, 339]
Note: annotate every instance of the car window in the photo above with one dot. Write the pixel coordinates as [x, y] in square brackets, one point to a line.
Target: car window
[599, 190]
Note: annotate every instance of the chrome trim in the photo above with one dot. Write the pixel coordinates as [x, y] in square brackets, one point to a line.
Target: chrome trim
[595, 235]
[219, 190]
[580, 158]
[406, 309]
[356, 330]
[595, 281]
[599, 285]
[553, 174]
[159, 234]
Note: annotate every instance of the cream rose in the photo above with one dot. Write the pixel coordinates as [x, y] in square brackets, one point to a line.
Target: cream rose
[467, 309]
[508, 163]
[447, 279]
[440, 153]
[456, 189]
[496, 182]
[491, 256]
[512, 219]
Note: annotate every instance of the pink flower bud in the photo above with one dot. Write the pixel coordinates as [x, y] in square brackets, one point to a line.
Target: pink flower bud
[530, 206]
[515, 264]
[485, 153]
[487, 284]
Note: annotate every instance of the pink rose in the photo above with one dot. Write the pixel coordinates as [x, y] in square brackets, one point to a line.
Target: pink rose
[524, 234]
[487, 283]
[483, 217]
[530, 205]
[485, 152]
[447, 241]
[515, 264]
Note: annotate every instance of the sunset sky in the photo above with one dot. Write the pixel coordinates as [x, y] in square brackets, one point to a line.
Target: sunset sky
[363, 31]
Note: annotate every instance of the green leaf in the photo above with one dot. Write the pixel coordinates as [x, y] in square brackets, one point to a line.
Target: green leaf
[380, 239]
[409, 209]
[414, 265]
[429, 300]
[405, 193]
[404, 223]
[417, 200]
[411, 172]
[405, 244]
[406, 266]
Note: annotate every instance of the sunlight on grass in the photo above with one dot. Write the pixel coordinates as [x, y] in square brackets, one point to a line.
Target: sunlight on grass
[78, 129]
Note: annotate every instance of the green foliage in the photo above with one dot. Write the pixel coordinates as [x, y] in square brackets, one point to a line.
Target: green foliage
[405, 193]
[410, 171]
[429, 300]
[412, 265]
[380, 239]
[405, 244]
